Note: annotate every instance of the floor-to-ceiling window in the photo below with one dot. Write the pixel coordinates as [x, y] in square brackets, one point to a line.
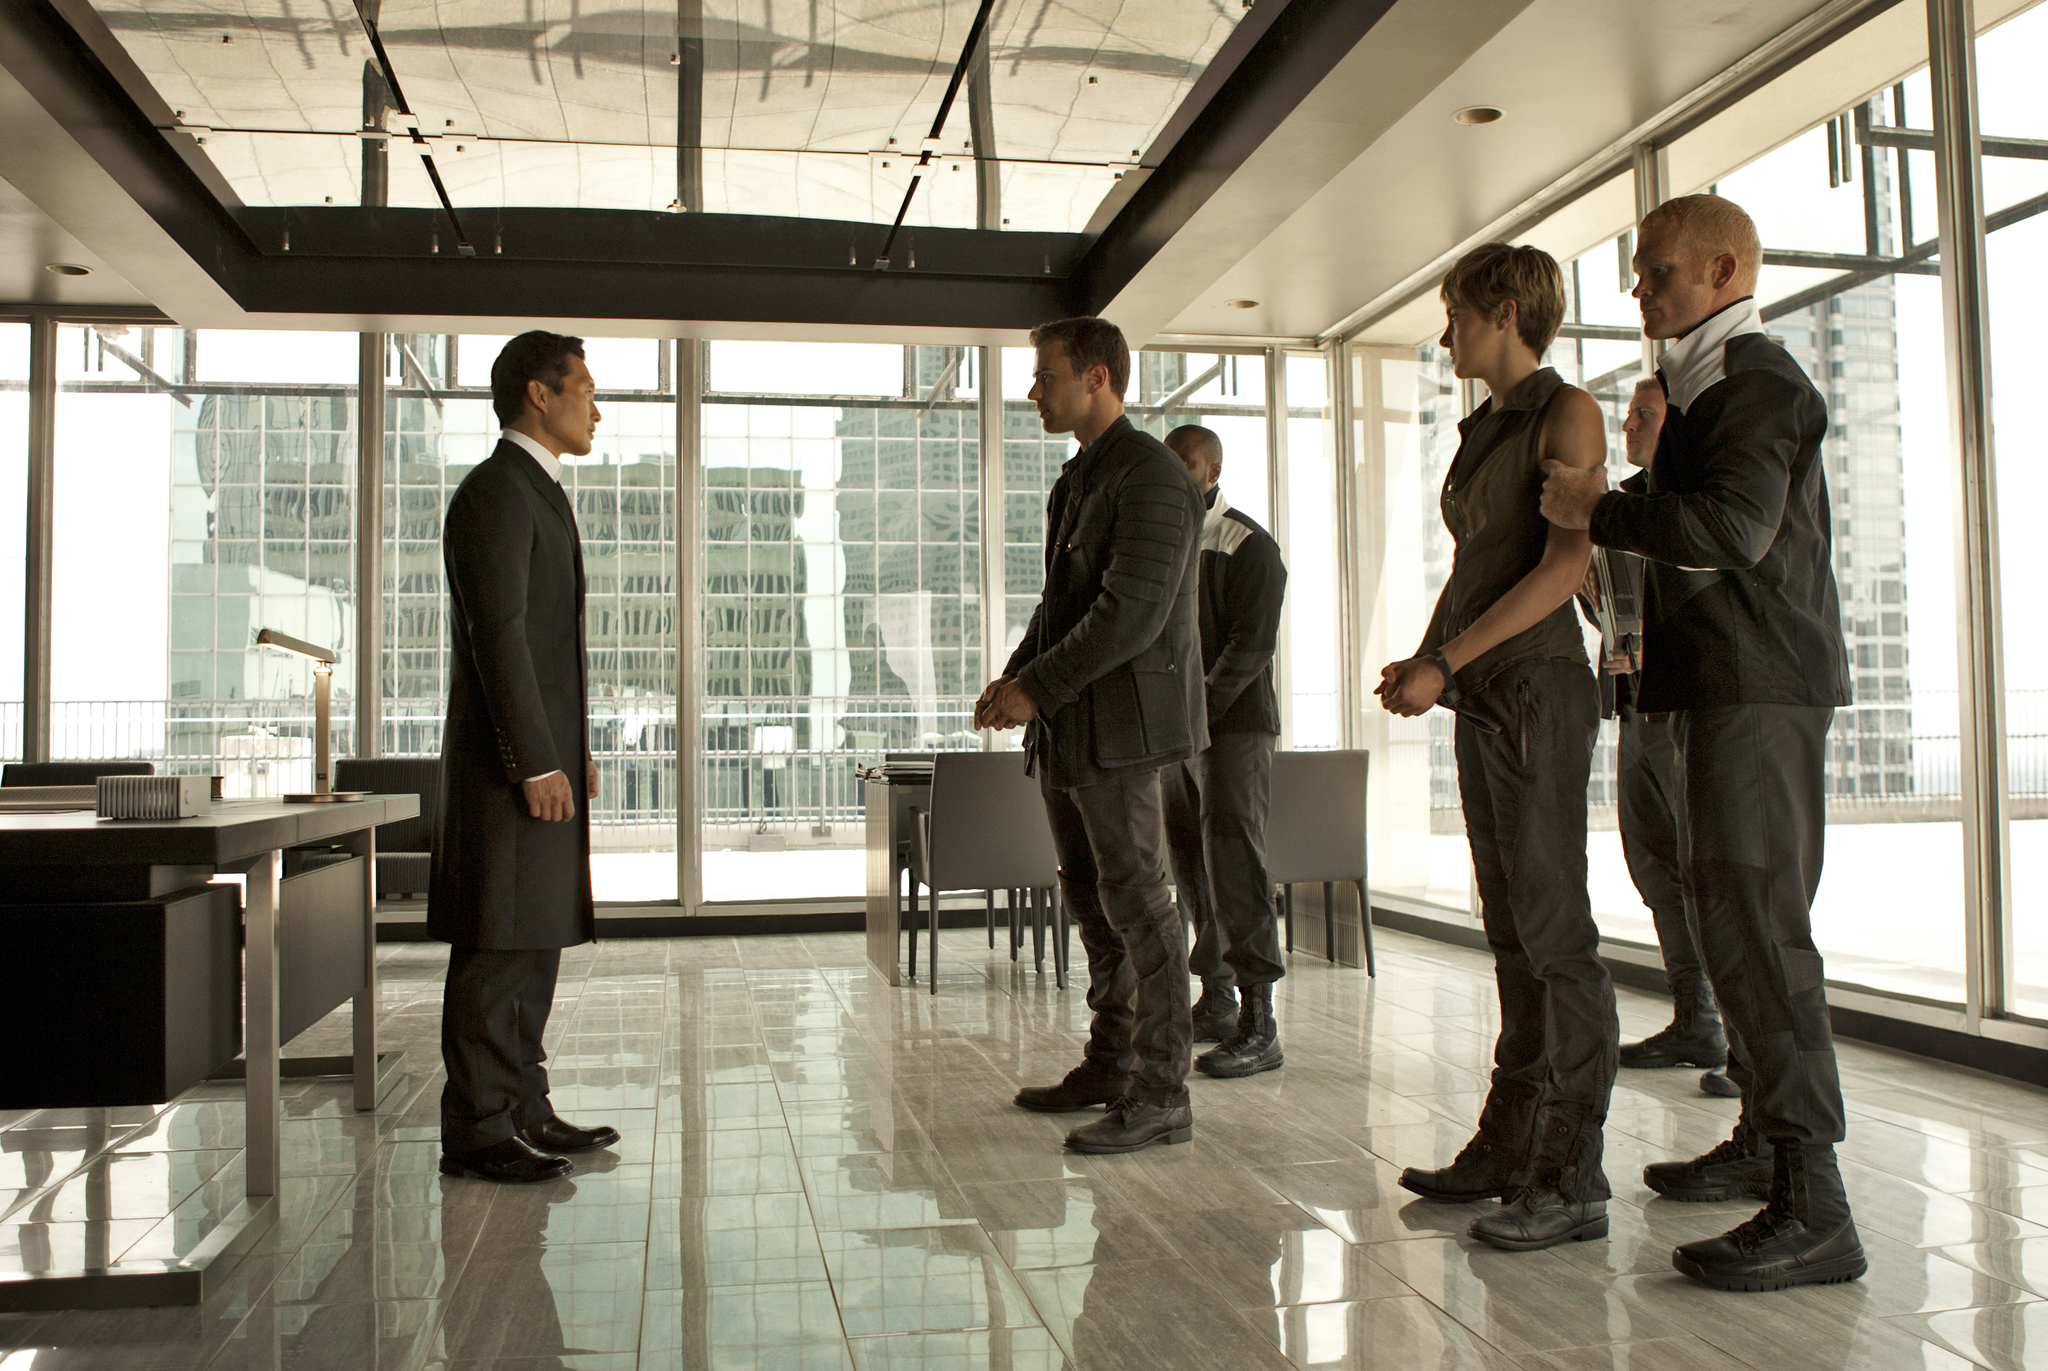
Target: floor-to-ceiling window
[841, 596]
[204, 490]
[2016, 193]
[13, 531]
[439, 424]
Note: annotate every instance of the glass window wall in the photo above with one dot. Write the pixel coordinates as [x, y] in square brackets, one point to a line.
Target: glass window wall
[2016, 193]
[204, 489]
[435, 434]
[841, 593]
[13, 531]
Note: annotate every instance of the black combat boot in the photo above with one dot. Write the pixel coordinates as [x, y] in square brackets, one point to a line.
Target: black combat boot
[1493, 1162]
[1694, 1036]
[1254, 1047]
[1804, 1236]
[1565, 1198]
[1737, 1168]
[1215, 1014]
[1717, 1084]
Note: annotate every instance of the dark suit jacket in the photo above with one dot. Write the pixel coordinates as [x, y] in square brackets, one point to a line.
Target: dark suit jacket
[1740, 603]
[1112, 657]
[517, 707]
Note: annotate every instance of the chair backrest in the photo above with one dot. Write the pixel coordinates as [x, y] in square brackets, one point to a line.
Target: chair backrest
[70, 773]
[989, 830]
[419, 776]
[1316, 829]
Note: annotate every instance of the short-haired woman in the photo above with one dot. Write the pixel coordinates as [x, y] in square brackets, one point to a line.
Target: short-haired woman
[1504, 649]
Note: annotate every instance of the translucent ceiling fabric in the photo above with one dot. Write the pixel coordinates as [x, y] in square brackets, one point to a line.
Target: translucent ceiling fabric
[570, 103]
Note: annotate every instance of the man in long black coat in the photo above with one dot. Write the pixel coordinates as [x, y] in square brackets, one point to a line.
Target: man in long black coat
[1108, 677]
[511, 882]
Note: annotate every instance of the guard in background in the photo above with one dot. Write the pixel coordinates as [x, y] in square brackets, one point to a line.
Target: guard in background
[1743, 644]
[1218, 800]
[1652, 796]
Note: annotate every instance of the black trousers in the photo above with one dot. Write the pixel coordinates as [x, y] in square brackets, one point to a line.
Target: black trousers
[1652, 793]
[1524, 794]
[1756, 822]
[492, 1018]
[1216, 808]
[1111, 840]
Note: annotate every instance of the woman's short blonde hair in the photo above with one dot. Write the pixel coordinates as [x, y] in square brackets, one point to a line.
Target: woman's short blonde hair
[1492, 274]
[1709, 225]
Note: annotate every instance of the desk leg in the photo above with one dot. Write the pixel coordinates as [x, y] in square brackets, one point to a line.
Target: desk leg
[364, 1013]
[259, 1022]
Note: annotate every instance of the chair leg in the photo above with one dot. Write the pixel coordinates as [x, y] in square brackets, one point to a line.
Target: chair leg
[1059, 937]
[989, 912]
[1016, 929]
[931, 954]
[1037, 932]
[1365, 929]
[910, 920]
[1330, 921]
[1287, 913]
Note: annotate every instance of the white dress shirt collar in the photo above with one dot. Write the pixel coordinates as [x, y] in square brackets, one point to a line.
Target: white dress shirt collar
[549, 463]
[1699, 359]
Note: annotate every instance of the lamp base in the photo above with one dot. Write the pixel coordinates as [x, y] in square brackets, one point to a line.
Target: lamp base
[326, 797]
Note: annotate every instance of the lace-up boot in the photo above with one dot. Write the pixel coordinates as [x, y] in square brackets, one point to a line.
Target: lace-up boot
[1492, 1163]
[1565, 1199]
[1132, 1123]
[1692, 1038]
[1216, 1012]
[1085, 1087]
[1254, 1047]
[1736, 1168]
[1804, 1236]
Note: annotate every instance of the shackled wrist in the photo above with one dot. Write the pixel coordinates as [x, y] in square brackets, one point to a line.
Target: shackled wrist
[1443, 664]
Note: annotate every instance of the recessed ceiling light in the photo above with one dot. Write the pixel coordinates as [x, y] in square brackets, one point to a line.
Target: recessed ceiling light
[1477, 114]
[68, 269]
[1241, 304]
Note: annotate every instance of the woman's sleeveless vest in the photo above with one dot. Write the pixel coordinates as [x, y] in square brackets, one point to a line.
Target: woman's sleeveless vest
[1491, 504]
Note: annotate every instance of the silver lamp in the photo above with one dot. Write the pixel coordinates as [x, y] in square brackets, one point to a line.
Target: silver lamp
[323, 687]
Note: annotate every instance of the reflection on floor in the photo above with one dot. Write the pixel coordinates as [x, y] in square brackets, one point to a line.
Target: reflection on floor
[819, 1171]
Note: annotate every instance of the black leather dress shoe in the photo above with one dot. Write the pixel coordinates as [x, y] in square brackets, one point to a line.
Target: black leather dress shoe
[510, 1162]
[556, 1135]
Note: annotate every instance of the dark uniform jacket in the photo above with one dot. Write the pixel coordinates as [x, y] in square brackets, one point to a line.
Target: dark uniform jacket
[1740, 604]
[1244, 584]
[517, 708]
[1112, 656]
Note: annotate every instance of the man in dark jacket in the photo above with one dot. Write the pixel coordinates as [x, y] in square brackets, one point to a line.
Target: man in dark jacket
[1108, 680]
[1742, 642]
[1218, 800]
[511, 881]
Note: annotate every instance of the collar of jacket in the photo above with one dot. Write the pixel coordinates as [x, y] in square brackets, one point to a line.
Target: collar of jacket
[1532, 392]
[1116, 429]
[549, 463]
[1218, 507]
[1699, 359]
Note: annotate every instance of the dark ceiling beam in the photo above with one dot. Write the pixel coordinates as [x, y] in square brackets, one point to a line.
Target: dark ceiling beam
[1302, 45]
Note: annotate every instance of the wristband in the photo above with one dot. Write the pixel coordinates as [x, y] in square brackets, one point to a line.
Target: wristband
[1443, 664]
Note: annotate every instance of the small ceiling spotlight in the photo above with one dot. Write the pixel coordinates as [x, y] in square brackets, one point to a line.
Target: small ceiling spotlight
[68, 269]
[1240, 304]
[1477, 114]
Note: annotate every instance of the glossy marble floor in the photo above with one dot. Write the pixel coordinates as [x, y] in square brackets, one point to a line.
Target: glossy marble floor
[821, 1172]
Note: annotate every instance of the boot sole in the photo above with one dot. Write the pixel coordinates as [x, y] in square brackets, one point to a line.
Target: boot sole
[1585, 1232]
[451, 1167]
[1833, 1273]
[1177, 1135]
[1232, 1073]
[1701, 1060]
[1760, 1190]
[1446, 1197]
[1063, 1108]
